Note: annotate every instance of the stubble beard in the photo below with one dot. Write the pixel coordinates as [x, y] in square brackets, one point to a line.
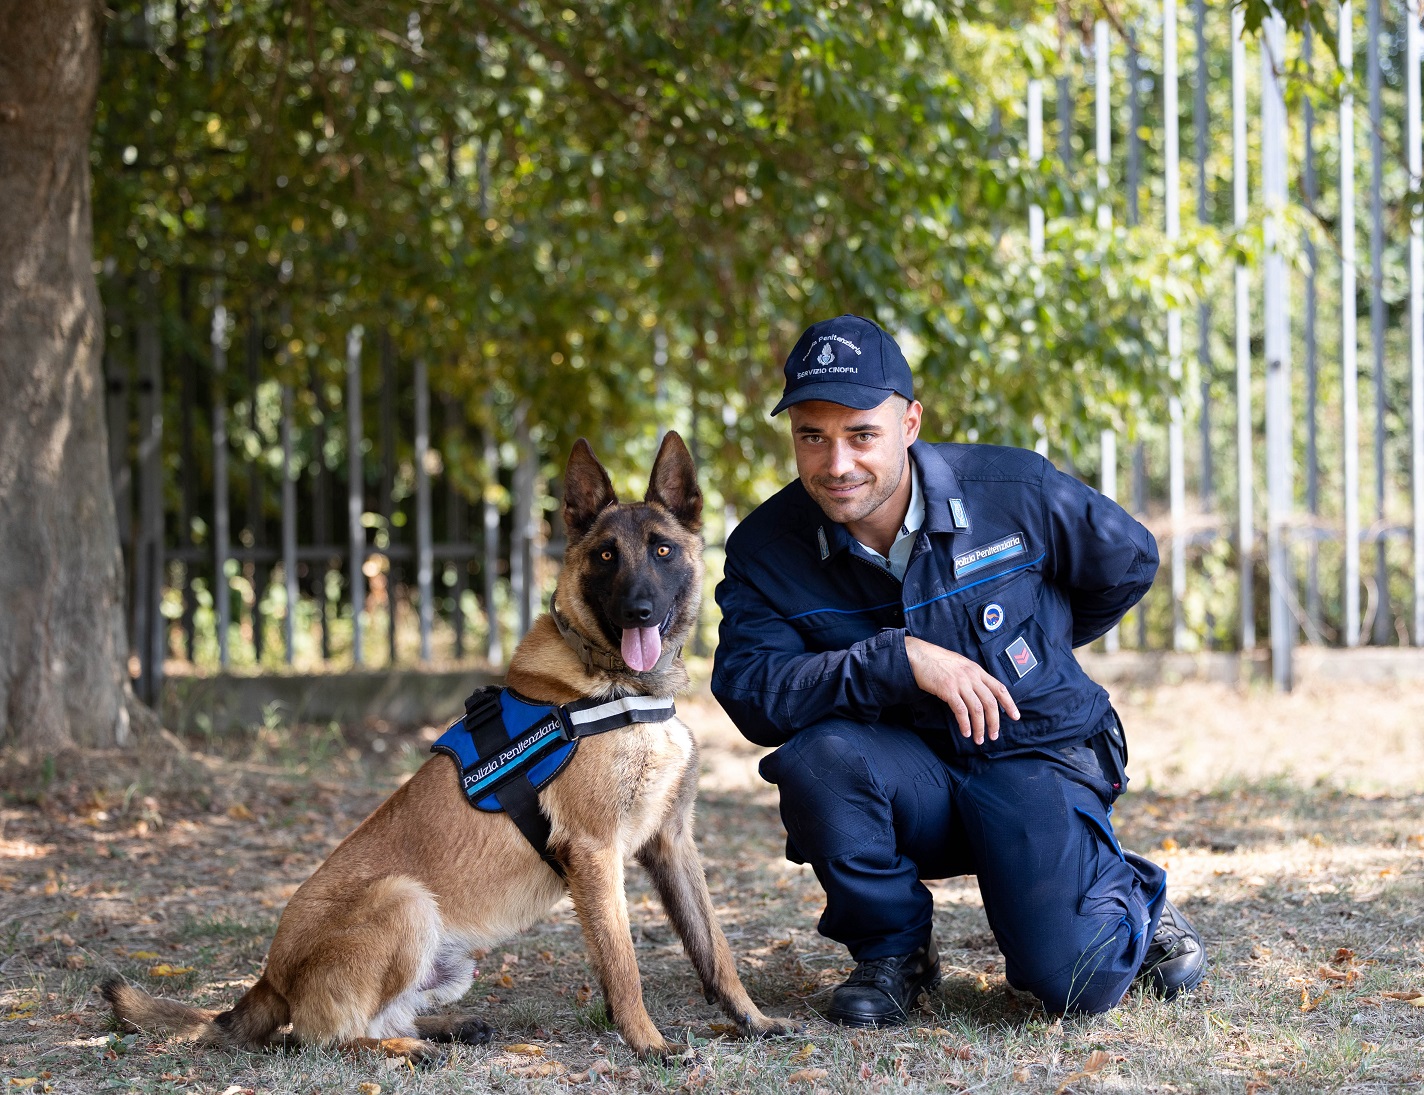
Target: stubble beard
[849, 511]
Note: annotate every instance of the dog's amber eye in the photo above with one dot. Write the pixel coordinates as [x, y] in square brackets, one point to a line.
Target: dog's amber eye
[606, 556]
[664, 551]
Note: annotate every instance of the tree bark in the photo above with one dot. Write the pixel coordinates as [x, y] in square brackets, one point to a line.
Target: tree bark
[62, 679]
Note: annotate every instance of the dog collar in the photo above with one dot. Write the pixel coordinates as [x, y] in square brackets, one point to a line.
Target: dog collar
[594, 658]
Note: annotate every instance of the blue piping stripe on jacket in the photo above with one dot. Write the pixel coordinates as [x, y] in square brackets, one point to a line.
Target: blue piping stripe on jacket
[932, 600]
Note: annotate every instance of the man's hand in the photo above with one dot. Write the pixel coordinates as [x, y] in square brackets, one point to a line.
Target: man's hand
[973, 694]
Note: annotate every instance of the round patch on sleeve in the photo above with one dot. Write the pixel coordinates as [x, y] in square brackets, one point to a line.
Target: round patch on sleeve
[993, 617]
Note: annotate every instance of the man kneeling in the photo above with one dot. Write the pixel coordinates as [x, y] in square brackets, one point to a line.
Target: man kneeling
[877, 615]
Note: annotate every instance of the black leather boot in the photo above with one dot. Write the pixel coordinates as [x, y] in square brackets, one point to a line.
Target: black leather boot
[1176, 960]
[881, 991]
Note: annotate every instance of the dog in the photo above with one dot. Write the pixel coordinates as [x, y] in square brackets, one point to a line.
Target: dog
[386, 928]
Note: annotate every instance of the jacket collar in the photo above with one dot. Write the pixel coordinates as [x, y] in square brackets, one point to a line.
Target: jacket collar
[938, 483]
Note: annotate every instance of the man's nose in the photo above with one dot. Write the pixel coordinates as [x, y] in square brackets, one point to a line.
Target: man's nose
[841, 460]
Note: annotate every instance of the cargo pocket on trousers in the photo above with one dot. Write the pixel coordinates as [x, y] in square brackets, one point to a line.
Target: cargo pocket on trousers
[1104, 871]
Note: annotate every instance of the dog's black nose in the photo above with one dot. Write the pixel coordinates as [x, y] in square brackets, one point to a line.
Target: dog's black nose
[640, 612]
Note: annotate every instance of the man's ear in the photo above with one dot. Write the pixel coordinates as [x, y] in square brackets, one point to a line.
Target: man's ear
[587, 490]
[674, 483]
[910, 421]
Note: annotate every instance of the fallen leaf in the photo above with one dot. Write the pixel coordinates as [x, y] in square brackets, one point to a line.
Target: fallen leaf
[504, 981]
[163, 969]
[805, 1053]
[1022, 1075]
[1307, 1004]
[722, 1028]
[964, 1053]
[807, 1076]
[1096, 1060]
[1169, 844]
[539, 1070]
[524, 1049]
[144, 956]
[866, 1072]
[238, 811]
[23, 1011]
[369, 1088]
[74, 961]
[1411, 995]
[1343, 954]
[1068, 1081]
[23, 1081]
[1336, 975]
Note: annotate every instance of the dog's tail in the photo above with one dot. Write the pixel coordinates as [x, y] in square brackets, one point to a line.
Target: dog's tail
[248, 1025]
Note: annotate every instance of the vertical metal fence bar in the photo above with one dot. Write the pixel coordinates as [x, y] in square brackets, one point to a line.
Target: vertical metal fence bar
[1201, 133]
[355, 483]
[1349, 334]
[188, 465]
[521, 542]
[289, 530]
[1277, 347]
[254, 480]
[455, 532]
[388, 478]
[1245, 465]
[494, 645]
[1177, 473]
[1132, 216]
[117, 381]
[1312, 373]
[1380, 632]
[424, 565]
[222, 519]
[148, 563]
[1416, 311]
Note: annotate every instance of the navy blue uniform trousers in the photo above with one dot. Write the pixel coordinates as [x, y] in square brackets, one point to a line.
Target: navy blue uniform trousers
[873, 809]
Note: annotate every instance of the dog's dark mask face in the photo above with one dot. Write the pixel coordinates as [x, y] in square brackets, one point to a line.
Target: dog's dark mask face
[636, 568]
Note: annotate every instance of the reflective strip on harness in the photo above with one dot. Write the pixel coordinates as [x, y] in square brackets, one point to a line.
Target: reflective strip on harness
[508, 748]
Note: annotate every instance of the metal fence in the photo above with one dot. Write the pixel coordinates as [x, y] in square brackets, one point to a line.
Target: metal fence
[265, 513]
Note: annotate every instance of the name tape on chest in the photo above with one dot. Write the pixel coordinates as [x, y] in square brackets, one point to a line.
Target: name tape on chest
[981, 558]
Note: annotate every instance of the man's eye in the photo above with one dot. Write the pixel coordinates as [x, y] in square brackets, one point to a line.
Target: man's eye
[865, 438]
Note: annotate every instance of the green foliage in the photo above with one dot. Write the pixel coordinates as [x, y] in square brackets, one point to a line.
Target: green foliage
[622, 214]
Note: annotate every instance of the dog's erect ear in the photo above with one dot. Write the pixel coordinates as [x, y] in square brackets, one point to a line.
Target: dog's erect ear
[587, 490]
[674, 483]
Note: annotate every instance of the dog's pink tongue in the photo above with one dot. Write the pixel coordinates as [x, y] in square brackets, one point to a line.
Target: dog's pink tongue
[641, 647]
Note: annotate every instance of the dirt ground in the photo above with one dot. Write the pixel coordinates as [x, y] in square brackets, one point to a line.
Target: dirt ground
[1292, 827]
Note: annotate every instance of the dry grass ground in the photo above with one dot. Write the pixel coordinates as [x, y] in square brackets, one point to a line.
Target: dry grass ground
[1293, 829]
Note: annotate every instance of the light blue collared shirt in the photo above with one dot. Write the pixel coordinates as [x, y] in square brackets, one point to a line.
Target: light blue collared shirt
[899, 557]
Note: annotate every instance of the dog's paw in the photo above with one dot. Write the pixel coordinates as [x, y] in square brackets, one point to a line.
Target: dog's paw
[472, 1032]
[764, 1026]
[428, 1056]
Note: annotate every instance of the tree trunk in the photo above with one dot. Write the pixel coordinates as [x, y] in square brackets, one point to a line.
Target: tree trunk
[61, 616]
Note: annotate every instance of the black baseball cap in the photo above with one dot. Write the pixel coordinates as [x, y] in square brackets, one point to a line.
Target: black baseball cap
[847, 360]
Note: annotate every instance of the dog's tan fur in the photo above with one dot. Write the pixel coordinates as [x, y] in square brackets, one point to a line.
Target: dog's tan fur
[385, 927]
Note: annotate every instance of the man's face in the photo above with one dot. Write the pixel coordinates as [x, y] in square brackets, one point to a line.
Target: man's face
[851, 461]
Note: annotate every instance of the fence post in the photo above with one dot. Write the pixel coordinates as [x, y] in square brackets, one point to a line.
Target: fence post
[1416, 312]
[1312, 372]
[1278, 453]
[1349, 334]
[289, 528]
[222, 519]
[494, 646]
[1176, 463]
[355, 483]
[148, 561]
[1245, 465]
[424, 555]
[1378, 318]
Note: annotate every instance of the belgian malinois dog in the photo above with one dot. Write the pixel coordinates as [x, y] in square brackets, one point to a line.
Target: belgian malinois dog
[386, 927]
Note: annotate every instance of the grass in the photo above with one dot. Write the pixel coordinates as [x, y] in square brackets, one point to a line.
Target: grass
[1310, 895]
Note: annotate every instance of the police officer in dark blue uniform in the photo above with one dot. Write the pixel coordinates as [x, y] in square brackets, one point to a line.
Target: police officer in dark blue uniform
[878, 615]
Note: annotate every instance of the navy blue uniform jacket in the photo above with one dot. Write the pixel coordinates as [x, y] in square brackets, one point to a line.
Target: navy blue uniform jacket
[1011, 549]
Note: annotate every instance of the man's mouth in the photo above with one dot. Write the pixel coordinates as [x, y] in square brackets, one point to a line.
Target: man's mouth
[842, 490]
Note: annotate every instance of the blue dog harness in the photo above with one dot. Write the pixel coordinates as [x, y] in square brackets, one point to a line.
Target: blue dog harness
[509, 748]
